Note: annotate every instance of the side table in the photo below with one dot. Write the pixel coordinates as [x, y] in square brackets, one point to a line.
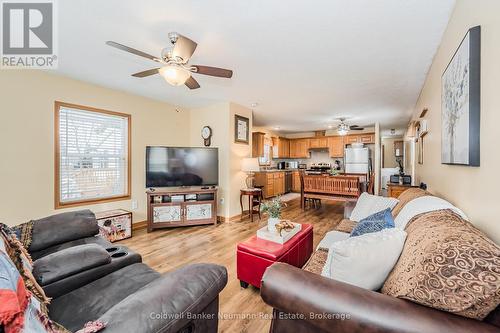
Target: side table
[254, 201]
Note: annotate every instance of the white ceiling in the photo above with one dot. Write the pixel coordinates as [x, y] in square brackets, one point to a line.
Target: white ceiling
[304, 62]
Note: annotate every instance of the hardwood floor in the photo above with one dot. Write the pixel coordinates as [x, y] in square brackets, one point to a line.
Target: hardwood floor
[168, 249]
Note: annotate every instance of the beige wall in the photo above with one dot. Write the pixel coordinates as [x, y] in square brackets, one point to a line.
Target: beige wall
[389, 156]
[220, 117]
[217, 117]
[238, 151]
[27, 139]
[473, 189]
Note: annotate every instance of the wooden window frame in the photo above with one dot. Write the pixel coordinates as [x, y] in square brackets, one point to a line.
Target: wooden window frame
[57, 191]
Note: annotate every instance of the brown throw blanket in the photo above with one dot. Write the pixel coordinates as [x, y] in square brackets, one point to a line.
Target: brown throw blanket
[24, 233]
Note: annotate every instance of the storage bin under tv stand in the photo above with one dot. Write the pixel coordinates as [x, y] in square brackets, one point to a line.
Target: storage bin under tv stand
[168, 213]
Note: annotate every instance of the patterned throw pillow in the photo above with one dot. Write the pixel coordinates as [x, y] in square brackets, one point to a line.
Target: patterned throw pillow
[447, 264]
[374, 223]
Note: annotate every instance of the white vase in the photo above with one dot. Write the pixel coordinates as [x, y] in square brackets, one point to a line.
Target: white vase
[271, 223]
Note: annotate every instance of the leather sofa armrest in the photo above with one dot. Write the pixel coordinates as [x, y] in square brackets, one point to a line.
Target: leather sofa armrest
[295, 291]
[62, 228]
[169, 303]
[70, 261]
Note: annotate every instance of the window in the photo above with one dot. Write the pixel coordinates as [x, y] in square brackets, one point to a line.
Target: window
[266, 159]
[92, 157]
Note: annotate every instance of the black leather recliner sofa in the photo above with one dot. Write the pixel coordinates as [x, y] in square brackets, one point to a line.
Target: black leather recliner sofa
[90, 279]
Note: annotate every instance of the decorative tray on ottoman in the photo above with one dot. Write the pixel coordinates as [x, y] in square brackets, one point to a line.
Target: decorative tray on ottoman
[275, 237]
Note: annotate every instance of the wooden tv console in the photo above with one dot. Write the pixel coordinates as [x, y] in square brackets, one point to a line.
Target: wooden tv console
[181, 206]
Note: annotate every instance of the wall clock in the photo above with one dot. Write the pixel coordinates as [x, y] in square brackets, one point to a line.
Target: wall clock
[206, 134]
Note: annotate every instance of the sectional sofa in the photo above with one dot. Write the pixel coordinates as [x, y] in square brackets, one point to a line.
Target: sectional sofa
[447, 279]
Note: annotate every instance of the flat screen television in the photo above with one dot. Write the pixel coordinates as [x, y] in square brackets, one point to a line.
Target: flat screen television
[181, 166]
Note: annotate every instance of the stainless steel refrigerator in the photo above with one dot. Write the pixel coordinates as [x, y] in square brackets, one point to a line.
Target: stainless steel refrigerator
[357, 160]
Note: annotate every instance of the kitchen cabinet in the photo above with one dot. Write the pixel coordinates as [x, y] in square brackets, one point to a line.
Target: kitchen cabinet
[348, 139]
[281, 147]
[273, 183]
[321, 142]
[359, 138]
[336, 146]
[367, 138]
[299, 148]
[258, 144]
[296, 181]
[279, 183]
[293, 148]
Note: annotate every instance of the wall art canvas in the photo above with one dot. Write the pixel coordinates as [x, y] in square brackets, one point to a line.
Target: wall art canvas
[460, 101]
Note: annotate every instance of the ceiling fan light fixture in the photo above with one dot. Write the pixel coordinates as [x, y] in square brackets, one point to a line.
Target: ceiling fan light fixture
[175, 75]
[343, 129]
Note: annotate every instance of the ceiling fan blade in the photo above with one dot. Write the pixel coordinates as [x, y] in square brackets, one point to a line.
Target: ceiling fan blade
[191, 83]
[132, 50]
[146, 73]
[356, 128]
[184, 48]
[213, 71]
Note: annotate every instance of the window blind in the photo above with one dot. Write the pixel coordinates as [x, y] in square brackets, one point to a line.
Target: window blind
[93, 155]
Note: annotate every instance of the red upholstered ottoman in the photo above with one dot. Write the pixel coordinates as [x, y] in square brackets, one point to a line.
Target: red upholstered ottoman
[254, 255]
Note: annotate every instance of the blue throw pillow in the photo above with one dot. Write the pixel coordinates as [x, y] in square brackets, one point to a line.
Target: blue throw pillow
[374, 223]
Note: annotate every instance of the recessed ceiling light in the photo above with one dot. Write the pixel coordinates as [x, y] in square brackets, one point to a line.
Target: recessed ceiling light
[276, 128]
[255, 104]
[330, 126]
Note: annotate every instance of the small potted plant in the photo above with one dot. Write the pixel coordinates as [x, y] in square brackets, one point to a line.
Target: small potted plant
[273, 209]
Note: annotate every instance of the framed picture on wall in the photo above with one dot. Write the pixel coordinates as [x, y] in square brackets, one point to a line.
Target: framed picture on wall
[460, 103]
[241, 129]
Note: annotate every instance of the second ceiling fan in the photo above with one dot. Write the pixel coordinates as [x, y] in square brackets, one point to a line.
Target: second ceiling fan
[343, 128]
[174, 62]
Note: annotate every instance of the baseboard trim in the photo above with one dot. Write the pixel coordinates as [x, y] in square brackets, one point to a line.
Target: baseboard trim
[223, 219]
[139, 225]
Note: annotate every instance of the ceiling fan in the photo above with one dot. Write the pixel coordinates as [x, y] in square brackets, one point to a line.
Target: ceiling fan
[173, 62]
[343, 128]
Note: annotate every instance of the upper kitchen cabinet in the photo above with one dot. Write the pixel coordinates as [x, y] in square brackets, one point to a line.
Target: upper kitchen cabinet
[281, 147]
[359, 138]
[258, 144]
[367, 138]
[336, 146]
[321, 142]
[299, 148]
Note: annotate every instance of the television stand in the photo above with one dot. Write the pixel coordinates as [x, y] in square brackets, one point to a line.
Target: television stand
[170, 207]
